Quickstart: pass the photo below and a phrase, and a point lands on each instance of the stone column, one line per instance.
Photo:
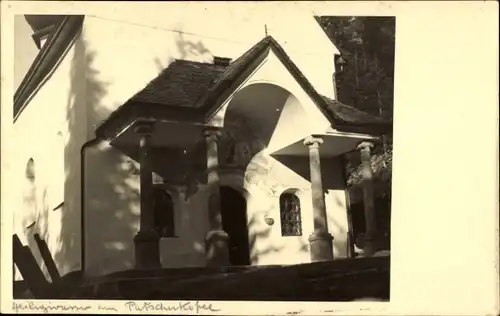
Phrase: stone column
(216, 240)
(370, 236)
(147, 252)
(321, 240)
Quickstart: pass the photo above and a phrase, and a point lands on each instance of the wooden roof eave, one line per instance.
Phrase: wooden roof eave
(134, 111)
(46, 60)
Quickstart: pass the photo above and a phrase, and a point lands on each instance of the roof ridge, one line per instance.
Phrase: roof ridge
(234, 70)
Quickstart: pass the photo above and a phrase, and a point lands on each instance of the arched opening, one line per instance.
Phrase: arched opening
(29, 194)
(267, 111)
(30, 170)
(234, 222)
(163, 207)
(290, 214)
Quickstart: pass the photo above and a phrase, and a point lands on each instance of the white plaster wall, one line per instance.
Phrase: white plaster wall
(292, 114)
(191, 225)
(49, 130)
(112, 215)
(112, 210)
(265, 188)
(262, 183)
(336, 207)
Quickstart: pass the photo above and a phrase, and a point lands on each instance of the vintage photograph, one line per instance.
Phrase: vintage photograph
(190, 156)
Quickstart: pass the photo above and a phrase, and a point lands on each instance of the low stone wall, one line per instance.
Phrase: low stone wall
(341, 280)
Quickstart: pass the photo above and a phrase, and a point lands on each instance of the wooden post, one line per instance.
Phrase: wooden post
(216, 240)
(147, 241)
(32, 274)
(47, 258)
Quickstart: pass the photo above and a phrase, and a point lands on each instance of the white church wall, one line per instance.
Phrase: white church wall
(266, 179)
(49, 131)
(112, 215)
(112, 210)
(191, 225)
(115, 57)
(266, 184)
(336, 207)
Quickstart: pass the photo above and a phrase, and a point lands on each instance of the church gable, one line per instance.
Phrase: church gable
(195, 91)
(274, 68)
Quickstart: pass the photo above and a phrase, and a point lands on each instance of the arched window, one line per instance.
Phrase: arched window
(164, 213)
(29, 194)
(291, 222)
(30, 170)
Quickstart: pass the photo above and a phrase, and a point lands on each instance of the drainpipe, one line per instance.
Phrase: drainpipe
(88, 144)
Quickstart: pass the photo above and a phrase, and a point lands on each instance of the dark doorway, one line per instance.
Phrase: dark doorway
(234, 222)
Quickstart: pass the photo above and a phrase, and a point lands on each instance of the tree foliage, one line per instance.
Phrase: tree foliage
(367, 46)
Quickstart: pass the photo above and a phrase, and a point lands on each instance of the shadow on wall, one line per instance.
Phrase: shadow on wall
(257, 233)
(186, 50)
(260, 243)
(300, 165)
(105, 223)
(35, 199)
(111, 200)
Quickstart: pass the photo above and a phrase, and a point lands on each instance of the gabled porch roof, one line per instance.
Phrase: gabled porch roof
(188, 91)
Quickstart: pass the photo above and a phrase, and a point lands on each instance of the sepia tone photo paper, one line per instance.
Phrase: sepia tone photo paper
(250, 158)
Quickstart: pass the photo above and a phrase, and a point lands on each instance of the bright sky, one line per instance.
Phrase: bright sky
(24, 48)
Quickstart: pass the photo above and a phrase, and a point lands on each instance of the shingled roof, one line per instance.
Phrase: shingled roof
(182, 83)
(196, 85)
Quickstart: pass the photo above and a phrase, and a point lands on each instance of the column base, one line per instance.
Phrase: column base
(147, 250)
(321, 246)
(370, 244)
(217, 248)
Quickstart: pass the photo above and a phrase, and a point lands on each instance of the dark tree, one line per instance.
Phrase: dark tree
(367, 45)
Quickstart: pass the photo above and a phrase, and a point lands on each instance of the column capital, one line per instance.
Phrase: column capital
(144, 128)
(365, 145)
(212, 131)
(313, 141)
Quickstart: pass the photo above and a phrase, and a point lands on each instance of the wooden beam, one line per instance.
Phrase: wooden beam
(47, 258)
(29, 269)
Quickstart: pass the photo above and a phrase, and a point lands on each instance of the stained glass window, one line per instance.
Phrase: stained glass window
(164, 213)
(291, 222)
